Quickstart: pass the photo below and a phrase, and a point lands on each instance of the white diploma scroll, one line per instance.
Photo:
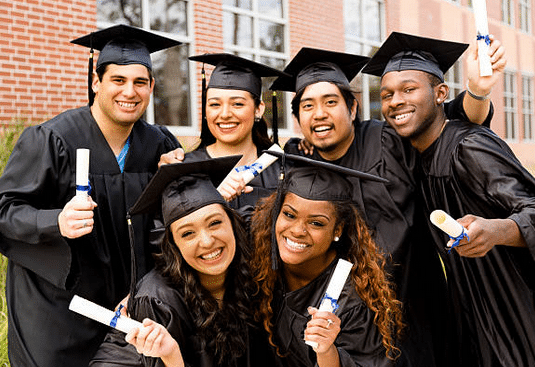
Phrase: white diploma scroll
(263, 162)
(98, 313)
(82, 170)
(336, 284)
(445, 222)
(482, 28)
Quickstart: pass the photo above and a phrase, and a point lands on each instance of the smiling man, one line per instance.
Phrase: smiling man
(327, 112)
(59, 245)
(469, 172)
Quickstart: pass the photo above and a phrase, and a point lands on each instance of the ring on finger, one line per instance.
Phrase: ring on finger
(85, 224)
(329, 323)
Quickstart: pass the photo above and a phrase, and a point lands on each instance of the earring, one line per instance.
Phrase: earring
(336, 238)
(256, 119)
(438, 100)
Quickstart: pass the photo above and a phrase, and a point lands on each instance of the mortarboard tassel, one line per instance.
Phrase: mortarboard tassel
(275, 119)
(90, 94)
(276, 209)
(203, 94)
(133, 262)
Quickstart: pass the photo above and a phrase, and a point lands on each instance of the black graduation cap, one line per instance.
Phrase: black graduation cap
(311, 65)
(122, 45)
(402, 51)
(182, 188)
(313, 180)
(235, 72)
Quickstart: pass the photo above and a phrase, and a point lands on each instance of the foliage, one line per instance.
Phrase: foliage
(8, 138)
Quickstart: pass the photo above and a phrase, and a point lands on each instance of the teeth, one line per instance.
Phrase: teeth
(402, 116)
(227, 126)
(296, 245)
(212, 255)
(126, 105)
(322, 128)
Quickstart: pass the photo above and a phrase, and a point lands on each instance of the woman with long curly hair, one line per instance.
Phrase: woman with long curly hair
(197, 305)
(299, 235)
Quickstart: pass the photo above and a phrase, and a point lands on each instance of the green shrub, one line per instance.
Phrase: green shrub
(8, 138)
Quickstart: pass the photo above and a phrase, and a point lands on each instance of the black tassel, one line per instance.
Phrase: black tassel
(90, 94)
(203, 94)
(275, 120)
(133, 262)
(275, 213)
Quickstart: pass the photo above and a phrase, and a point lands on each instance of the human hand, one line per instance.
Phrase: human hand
(233, 186)
(76, 218)
(153, 340)
(174, 156)
(322, 328)
(483, 235)
(482, 85)
(305, 147)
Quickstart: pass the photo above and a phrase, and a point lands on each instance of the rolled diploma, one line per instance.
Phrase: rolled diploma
(82, 169)
(445, 222)
(263, 162)
(101, 314)
(336, 284)
(482, 28)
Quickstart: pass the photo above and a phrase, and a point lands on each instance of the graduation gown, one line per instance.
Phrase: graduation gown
(45, 269)
(158, 300)
(470, 170)
(263, 185)
(359, 342)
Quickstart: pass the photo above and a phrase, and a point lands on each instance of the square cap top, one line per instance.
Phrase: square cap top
(182, 188)
(311, 65)
(235, 72)
(123, 45)
(402, 51)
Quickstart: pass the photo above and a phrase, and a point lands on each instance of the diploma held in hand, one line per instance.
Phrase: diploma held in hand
(483, 41)
(102, 315)
(336, 284)
(263, 162)
(445, 222)
(82, 172)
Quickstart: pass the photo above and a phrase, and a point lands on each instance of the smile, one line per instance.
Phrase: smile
(127, 104)
(227, 125)
(212, 255)
(296, 246)
(403, 116)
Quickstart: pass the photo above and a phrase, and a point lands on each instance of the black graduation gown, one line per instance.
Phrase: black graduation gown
(359, 342)
(45, 269)
(158, 300)
(263, 185)
(390, 211)
(470, 170)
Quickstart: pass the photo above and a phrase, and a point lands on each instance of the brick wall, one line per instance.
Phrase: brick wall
(41, 73)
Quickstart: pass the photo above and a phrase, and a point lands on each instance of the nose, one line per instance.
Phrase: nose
(226, 111)
(319, 112)
(206, 239)
(129, 89)
(396, 99)
(299, 229)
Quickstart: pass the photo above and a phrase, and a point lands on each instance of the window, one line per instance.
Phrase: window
(454, 80)
(527, 107)
(507, 12)
(256, 30)
(509, 99)
(524, 14)
(364, 30)
(170, 103)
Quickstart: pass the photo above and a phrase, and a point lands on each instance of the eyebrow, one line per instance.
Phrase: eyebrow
(310, 216)
(205, 219)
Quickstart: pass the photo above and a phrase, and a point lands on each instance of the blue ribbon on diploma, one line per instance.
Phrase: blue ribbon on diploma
(457, 240)
(334, 304)
(113, 322)
(84, 188)
(254, 168)
(485, 37)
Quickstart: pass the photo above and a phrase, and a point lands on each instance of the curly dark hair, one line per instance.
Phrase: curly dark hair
(219, 325)
(260, 131)
(355, 245)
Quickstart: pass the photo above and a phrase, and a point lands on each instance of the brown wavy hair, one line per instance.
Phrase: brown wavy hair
(355, 245)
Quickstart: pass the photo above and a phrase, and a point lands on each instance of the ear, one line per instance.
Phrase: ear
(442, 91)
(354, 109)
(152, 85)
(95, 83)
(259, 111)
(339, 230)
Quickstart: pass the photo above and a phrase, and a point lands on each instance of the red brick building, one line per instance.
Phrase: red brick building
(42, 74)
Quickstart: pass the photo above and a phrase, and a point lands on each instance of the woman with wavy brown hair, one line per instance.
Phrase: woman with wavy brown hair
(299, 235)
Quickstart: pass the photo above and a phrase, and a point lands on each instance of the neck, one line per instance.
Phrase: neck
(215, 284)
(115, 134)
(429, 135)
(337, 151)
(298, 276)
(246, 149)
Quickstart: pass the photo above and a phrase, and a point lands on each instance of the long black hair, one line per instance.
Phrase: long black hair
(220, 327)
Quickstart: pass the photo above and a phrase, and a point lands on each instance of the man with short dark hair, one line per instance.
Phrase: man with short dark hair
(60, 245)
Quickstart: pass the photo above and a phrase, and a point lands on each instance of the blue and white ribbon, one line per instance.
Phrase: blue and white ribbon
(457, 240)
(254, 168)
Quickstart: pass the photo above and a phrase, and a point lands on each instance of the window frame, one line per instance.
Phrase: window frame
(510, 109)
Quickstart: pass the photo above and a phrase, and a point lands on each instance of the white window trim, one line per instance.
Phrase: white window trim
(530, 113)
(513, 110)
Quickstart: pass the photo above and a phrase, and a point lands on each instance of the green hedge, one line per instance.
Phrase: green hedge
(8, 137)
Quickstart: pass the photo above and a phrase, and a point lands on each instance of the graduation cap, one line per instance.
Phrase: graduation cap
(403, 51)
(182, 188)
(122, 45)
(312, 65)
(313, 180)
(234, 72)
